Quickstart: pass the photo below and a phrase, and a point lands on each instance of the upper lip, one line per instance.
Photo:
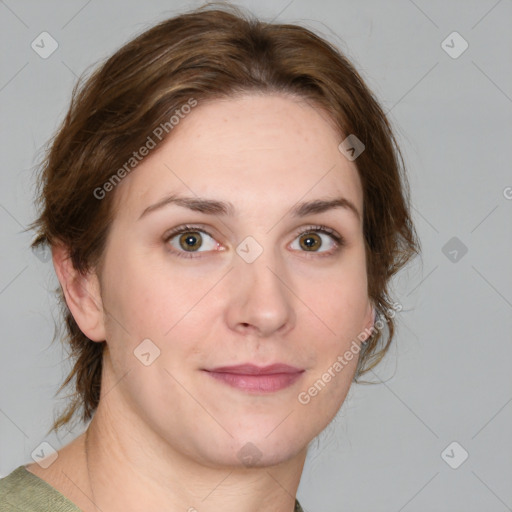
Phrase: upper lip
(251, 369)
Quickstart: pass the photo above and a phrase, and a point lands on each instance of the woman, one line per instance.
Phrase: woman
(225, 205)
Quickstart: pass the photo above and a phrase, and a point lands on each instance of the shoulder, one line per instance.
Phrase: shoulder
(11, 490)
(22, 491)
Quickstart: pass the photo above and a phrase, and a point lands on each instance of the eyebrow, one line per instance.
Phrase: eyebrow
(214, 207)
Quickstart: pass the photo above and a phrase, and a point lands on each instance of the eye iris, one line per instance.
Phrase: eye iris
(190, 240)
(310, 241)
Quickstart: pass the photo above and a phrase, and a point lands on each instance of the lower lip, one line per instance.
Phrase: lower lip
(257, 383)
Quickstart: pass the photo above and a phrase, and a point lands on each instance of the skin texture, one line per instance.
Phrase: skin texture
(168, 435)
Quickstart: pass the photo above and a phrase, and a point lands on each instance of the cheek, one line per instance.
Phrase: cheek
(166, 310)
(340, 304)
(140, 301)
(339, 301)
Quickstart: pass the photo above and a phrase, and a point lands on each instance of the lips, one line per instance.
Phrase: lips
(251, 369)
(257, 379)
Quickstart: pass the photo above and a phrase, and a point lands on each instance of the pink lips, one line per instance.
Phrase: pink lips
(257, 379)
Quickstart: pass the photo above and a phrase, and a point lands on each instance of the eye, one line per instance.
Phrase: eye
(189, 239)
(318, 239)
(185, 241)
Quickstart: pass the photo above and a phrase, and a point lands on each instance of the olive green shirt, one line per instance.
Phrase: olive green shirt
(22, 491)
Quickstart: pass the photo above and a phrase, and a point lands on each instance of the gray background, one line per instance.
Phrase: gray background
(448, 375)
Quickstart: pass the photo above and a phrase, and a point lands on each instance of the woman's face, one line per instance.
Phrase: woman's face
(245, 269)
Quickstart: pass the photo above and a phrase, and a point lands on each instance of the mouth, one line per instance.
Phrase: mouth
(257, 379)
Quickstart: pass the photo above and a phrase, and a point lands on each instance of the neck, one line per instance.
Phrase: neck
(131, 467)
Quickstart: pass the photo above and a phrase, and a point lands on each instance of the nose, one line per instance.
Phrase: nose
(261, 302)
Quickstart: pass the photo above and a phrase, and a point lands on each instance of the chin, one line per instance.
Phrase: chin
(268, 449)
(251, 451)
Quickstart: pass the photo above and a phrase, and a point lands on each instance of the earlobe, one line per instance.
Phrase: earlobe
(82, 294)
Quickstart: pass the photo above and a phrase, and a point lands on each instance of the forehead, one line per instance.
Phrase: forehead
(251, 150)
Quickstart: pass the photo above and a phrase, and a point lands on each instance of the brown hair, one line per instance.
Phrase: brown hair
(209, 53)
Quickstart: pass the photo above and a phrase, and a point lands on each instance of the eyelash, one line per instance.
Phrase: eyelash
(338, 239)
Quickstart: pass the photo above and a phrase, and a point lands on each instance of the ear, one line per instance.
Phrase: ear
(371, 316)
(82, 294)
